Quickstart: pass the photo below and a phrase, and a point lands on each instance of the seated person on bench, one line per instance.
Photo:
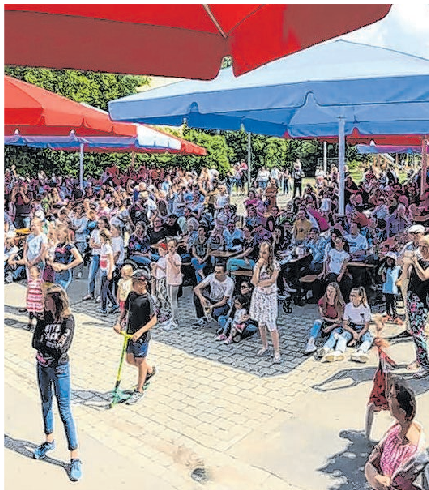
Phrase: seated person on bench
(216, 303)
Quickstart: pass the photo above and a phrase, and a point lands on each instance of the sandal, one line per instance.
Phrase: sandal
(277, 358)
(262, 352)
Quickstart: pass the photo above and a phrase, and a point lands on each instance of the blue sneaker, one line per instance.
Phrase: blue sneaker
(75, 470)
(40, 451)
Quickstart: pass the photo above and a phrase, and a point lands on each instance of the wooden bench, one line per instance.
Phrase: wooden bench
(309, 279)
(242, 273)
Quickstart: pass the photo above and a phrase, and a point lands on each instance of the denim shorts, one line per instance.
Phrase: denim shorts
(137, 349)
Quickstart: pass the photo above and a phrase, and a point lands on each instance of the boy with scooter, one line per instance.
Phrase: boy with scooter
(141, 317)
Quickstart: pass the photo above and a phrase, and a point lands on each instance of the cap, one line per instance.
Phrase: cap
(10, 234)
(141, 275)
(391, 255)
(416, 229)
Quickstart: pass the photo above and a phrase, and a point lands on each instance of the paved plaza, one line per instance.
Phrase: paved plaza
(215, 411)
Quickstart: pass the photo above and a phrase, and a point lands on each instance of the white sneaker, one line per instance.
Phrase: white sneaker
(359, 356)
(98, 300)
(311, 347)
(334, 356)
(173, 324)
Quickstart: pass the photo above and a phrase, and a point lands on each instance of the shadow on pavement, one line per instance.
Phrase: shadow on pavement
(348, 378)
(347, 466)
(92, 399)
(26, 448)
(356, 376)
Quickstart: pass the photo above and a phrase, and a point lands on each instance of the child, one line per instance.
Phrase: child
(159, 288)
(124, 286)
(141, 318)
(381, 385)
(357, 316)
(174, 279)
(35, 302)
(389, 277)
(236, 324)
(106, 269)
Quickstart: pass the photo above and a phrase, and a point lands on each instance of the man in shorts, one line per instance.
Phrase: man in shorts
(141, 318)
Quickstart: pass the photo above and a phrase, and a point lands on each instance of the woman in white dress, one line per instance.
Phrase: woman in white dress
(263, 306)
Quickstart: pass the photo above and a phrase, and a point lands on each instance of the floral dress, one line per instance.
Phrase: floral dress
(418, 311)
(263, 306)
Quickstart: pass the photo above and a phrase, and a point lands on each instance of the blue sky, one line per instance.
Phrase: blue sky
(405, 28)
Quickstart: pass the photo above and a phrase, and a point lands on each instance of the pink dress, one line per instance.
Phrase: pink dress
(395, 453)
(35, 296)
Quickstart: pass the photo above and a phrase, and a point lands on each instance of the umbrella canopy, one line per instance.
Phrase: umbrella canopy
(187, 41)
(145, 143)
(374, 90)
(376, 149)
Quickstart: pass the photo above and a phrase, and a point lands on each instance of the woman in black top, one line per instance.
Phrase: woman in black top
(52, 339)
(418, 303)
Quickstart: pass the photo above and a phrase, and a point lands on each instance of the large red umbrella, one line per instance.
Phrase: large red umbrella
(186, 41)
(35, 111)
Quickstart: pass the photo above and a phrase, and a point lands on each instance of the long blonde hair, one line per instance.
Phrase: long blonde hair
(270, 260)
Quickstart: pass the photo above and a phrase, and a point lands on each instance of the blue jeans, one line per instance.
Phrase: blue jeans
(22, 222)
(315, 329)
(198, 267)
(365, 342)
(63, 278)
(138, 259)
(59, 378)
(81, 246)
(335, 335)
(94, 267)
(106, 291)
(235, 264)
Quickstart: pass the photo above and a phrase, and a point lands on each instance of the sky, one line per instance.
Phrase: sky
(405, 28)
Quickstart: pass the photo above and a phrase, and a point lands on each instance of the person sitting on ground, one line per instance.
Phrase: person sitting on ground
(357, 316)
(217, 301)
(235, 322)
(331, 310)
(400, 460)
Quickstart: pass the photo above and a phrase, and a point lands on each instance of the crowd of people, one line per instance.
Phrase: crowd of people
(183, 228)
(148, 233)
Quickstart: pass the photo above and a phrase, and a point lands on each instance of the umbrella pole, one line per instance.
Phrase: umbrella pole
(341, 155)
(249, 156)
(324, 157)
(424, 167)
(81, 166)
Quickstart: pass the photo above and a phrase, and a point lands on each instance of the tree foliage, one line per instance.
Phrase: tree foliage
(224, 148)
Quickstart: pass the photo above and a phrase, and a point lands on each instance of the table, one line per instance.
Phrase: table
(222, 254)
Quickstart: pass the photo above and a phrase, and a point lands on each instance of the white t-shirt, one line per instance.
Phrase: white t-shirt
(218, 289)
(357, 314)
(95, 235)
(34, 245)
(337, 259)
(174, 278)
(118, 246)
(105, 251)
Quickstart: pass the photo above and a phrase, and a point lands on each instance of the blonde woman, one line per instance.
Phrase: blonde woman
(263, 306)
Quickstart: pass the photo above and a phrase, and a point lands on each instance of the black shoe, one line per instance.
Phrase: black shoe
(22, 310)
